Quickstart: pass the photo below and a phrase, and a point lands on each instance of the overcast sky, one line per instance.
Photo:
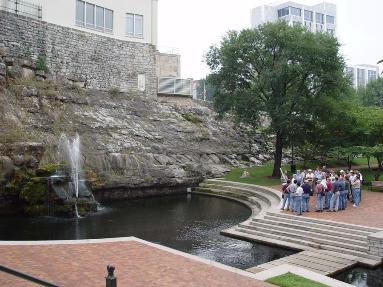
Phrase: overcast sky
(192, 26)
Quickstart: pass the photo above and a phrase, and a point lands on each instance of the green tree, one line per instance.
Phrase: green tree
(372, 94)
(286, 74)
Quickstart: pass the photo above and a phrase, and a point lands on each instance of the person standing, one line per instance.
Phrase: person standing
(285, 195)
(334, 202)
(355, 187)
(342, 193)
(328, 192)
(292, 188)
(307, 188)
(320, 194)
(298, 199)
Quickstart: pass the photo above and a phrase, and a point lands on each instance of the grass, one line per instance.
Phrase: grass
(258, 175)
(192, 118)
(292, 280)
(262, 175)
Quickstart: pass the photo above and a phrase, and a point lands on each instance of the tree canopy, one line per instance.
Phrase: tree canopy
(290, 75)
(372, 94)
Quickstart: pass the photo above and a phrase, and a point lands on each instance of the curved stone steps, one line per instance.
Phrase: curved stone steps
(276, 194)
(261, 196)
(309, 236)
(358, 228)
(263, 236)
(297, 225)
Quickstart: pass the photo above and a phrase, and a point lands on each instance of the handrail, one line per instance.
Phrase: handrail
(26, 276)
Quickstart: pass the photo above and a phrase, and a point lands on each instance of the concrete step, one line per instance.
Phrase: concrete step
(359, 256)
(265, 194)
(338, 237)
(258, 202)
(295, 220)
(261, 195)
(306, 236)
(301, 244)
(303, 226)
(272, 191)
(237, 233)
(365, 229)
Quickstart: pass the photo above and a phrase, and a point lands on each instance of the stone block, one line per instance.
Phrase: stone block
(3, 70)
(4, 51)
(8, 61)
(27, 73)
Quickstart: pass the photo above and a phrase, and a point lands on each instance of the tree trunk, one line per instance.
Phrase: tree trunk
(278, 155)
(349, 162)
(368, 163)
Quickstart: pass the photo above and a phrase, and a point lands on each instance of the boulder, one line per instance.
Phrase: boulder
(3, 69)
(7, 168)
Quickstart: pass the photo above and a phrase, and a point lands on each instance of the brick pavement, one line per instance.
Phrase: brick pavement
(369, 213)
(138, 263)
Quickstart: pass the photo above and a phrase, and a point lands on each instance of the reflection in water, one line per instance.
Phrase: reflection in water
(362, 277)
(190, 223)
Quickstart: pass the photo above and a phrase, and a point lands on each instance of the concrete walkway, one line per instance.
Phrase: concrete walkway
(138, 263)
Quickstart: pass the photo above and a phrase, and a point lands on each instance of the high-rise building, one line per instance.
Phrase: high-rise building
(361, 75)
(316, 18)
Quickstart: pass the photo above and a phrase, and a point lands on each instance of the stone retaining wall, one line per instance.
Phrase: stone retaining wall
(97, 61)
(375, 244)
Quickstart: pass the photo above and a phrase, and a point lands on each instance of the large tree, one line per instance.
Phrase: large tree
(285, 73)
(372, 94)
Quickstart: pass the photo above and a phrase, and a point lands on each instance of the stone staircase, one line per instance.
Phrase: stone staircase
(270, 226)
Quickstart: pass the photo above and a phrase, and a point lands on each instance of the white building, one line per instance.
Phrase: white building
(130, 20)
(361, 75)
(317, 18)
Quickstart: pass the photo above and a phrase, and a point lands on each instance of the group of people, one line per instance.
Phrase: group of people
(332, 190)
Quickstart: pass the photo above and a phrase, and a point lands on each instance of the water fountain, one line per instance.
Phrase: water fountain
(68, 182)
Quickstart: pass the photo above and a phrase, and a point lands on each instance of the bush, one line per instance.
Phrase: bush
(114, 91)
(192, 118)
(41, 64)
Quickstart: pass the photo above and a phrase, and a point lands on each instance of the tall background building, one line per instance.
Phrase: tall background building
(361, 75)
(321, 17)
(317, 18)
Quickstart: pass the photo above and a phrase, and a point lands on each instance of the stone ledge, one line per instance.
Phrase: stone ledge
(376, 236)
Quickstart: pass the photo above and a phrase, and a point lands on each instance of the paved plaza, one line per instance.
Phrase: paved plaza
(138, 264)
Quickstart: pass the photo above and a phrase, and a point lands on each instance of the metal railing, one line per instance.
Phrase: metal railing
(174, 86)
(22, 8)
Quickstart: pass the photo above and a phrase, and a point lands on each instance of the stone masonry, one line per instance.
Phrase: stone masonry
(375, 244)
(97, 61)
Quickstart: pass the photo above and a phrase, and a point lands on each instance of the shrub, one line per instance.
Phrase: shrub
(114, 91)
(41, 64)
(192, 118)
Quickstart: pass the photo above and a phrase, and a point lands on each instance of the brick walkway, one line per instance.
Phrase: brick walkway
(138, 263)
(369, 213)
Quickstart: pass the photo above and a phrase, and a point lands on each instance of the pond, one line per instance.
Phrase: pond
(362, 277)
(189, 223)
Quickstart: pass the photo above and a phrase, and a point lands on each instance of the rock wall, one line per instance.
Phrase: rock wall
(95, 61)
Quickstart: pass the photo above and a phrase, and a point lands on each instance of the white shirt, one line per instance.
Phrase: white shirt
(299, 191)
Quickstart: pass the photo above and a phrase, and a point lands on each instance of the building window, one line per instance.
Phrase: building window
(89, 15)
(319, 18)
(330, 19)
(94, 17)
(331, 32)
(308, 25)
(309, 15)
(108, 21)
(371, 75)
(283, 12)
(319, 28)
(80, 13)
(100, 20)
(134, 25)
(361, 77)
(296, 11)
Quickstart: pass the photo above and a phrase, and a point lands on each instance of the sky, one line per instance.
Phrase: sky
(192, 27)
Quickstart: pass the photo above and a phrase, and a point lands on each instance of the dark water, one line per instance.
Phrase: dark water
(362, 277)
(189, 223)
